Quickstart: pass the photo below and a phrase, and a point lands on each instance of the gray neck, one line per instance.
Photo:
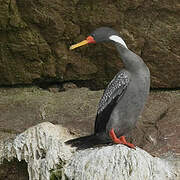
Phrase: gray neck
(131, 61)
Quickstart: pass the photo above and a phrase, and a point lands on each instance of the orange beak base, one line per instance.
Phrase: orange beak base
(90, 39)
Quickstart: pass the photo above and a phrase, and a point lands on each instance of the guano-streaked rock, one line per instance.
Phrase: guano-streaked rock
(43, 149)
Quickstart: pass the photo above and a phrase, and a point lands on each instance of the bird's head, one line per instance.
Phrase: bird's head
(102, 34)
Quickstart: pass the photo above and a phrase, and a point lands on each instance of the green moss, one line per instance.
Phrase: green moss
(58, 174)
(38, 36)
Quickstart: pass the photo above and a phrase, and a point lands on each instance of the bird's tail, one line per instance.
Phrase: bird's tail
(87, 141)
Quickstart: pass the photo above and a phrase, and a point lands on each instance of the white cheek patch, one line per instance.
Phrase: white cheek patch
(118, 40)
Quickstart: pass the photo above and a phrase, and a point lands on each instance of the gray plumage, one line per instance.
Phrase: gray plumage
(124, 98)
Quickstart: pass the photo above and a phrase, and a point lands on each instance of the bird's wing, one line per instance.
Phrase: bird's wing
(114, 89)
(111, 95)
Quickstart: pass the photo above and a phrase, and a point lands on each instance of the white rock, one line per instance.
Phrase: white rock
(117, 162)
(43, 148)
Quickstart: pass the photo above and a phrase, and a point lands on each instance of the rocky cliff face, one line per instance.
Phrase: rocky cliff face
(35, 37)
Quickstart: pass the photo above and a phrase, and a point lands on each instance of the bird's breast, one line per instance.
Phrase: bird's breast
(130, 106)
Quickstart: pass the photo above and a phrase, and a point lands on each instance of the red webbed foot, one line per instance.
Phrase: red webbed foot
(120, 140)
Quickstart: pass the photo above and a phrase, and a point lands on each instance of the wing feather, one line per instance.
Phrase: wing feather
(114, 88)
(111, 96)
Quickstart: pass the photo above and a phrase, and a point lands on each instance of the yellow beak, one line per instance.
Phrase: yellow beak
(82, 43)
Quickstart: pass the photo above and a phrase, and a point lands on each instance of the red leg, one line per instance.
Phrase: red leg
(121, 140)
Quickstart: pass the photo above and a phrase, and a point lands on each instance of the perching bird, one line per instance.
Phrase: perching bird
(124, 98)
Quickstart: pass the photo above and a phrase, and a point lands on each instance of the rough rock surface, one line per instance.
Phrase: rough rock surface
(117, 162)
(157, 130)
(43, 149)
(35, 36)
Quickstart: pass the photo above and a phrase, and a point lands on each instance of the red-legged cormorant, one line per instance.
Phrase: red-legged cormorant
(124, 98)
